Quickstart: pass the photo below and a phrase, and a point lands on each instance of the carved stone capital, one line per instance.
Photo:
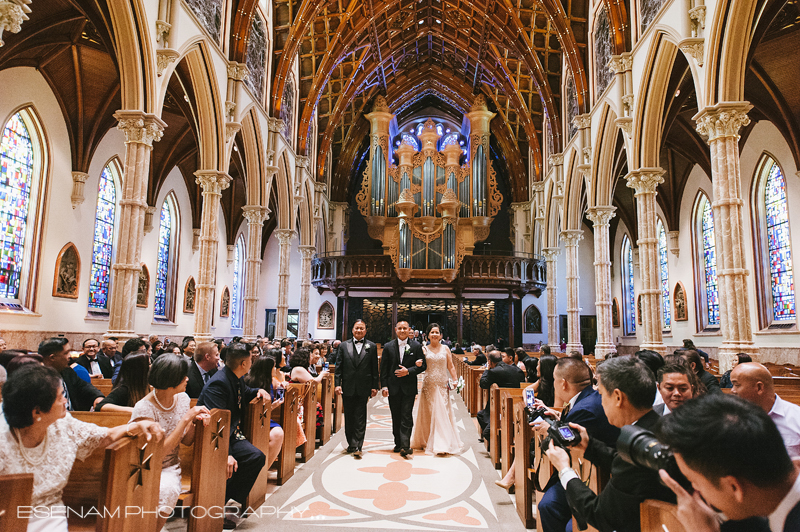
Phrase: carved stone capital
(148, 218)
(237, 71)
(320, 187)
(550, 254)
(284, 236)
(627, 101)
(601, 215)
(307, 252)
(582, 121)
(380, 105)
(230, 110)
(557, 159)
(139, 127)
(538, 186)
(674, 247)
(693, 47)
(585, 170)
(162, 31)
(231, 129)
(722, 120)
(255, 214)
(271, 171)
(698, 14)
(164, 58)
(571, 237)
(645, 180)
(195, 240)
(12, 15)
(625, 124)
(231, 254)
(276, 125)
(301, 161)
(627, 60)
(212, 181)
(616, 64)
(78, 183)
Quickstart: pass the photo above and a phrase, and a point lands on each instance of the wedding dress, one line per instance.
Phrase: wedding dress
(434, 423)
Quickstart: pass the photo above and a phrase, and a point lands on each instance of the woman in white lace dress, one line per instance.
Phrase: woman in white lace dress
(435, 429)
(168, 405)
(38, 436)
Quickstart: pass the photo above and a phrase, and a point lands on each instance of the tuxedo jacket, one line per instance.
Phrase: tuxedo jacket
(195, 385)
(82, 395)
(504, 375)
(106, 368)
(617, 506)
(392, 358)
(227, 392)
(357, 374)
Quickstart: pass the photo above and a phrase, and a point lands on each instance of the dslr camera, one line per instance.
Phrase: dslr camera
(640, 447)
(559, 433)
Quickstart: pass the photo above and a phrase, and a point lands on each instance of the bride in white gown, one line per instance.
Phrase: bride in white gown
(435, 429)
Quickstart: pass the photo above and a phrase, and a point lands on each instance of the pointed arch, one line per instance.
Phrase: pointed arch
(166, 266)
(135, 55)
(603, 178)
(239, 265)
(532, 319)
(628, 290)
(104, 234)
(706, 287)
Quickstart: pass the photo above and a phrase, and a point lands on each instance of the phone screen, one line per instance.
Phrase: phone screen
(529, 398)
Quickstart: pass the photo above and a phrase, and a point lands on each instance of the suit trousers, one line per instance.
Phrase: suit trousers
(249, 461)
(402, 407)
(354, 408)
(554, 509)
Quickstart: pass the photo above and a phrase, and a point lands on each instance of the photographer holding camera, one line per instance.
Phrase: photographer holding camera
(735, 458)
(627, 388)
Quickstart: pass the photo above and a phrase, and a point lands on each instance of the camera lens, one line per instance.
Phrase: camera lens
(640, 447)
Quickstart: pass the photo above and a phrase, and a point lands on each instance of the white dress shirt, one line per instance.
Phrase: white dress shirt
(777, 518)
(787, 418)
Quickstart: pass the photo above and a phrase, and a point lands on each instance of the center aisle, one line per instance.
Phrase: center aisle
(334, 491)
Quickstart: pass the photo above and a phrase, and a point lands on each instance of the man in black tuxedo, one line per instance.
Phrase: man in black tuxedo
(227, 390)
(628, 389)
(80, 395)
(505, 374)
(399, 372)
(96, 363)
(734, 455)
(202, 368)
(357, 380)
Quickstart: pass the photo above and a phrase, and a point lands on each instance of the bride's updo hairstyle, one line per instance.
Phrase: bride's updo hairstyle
(431, 327)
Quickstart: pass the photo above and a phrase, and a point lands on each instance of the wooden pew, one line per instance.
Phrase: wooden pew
(18, 492)
(326, 399)
(286, 416)
(509, 397)
(104, 490)
(475, 392)
(657, 516)
(307, 399)
(105, 389)
(204, 466)
(523, 469)
(255, 426)
(337, 405)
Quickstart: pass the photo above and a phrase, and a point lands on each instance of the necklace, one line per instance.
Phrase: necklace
(34, 461)
(162, 407)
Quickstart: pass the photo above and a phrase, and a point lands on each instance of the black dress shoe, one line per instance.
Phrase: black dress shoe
(406, 452)
(397, 449)
(357, 455)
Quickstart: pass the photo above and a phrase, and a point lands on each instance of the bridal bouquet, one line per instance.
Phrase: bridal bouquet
(457, 386)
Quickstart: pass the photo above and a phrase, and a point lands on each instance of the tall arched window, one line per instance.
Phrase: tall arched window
(238, 278)
(776, 259)
(663, 269)
(167, 235)
(708, 262)
(21, 166)
(104, 218)
(628, 294)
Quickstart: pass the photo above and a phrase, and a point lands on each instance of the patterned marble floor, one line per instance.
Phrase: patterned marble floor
(386, 492)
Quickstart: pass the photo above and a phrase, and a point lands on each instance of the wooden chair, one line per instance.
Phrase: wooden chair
(255, 426)
(658, 516)
(204, 466)
(116, 488)
(286, 416)
(18, 491)
(307, 398)
(325, 394)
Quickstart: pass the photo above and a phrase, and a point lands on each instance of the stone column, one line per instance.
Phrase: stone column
(141, 130)
(645, 181)
(571, 239)
(284, 241)
(600, 217)
(212, 183)
(255, 215)
(721, 124)
(306, 254)
(551, 258)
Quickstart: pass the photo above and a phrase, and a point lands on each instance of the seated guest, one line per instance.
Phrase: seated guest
(80, 395)
(109, 349)
(228, 391)
(505, 374)
(734, 456)
(20, 360)
(480, 358)
(457, 350)
(740, 358)
(134, 345)
(753, 382)
(654, 362)
(168, 406)
(676, 385)
(96, 363)
(334, 352)
(202, 368)
(689, 345)
(131, 385)
(300, 363)
(543, 387)
(707, 379)
(531, 364)
(158, 348)
(188, 346)
(628, 388)
(39, 437)
(260, 376)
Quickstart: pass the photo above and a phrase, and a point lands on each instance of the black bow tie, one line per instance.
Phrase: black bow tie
(358, 341)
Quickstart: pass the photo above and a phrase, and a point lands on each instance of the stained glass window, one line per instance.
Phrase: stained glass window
(709, 262)
(162, 267)
(236, 295)
(780, 250)
(664, 271)
(602, 52)
(103, 241)
(628, 294)
(16, 170)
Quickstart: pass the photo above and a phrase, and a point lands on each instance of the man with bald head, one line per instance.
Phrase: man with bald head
(753, 382)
